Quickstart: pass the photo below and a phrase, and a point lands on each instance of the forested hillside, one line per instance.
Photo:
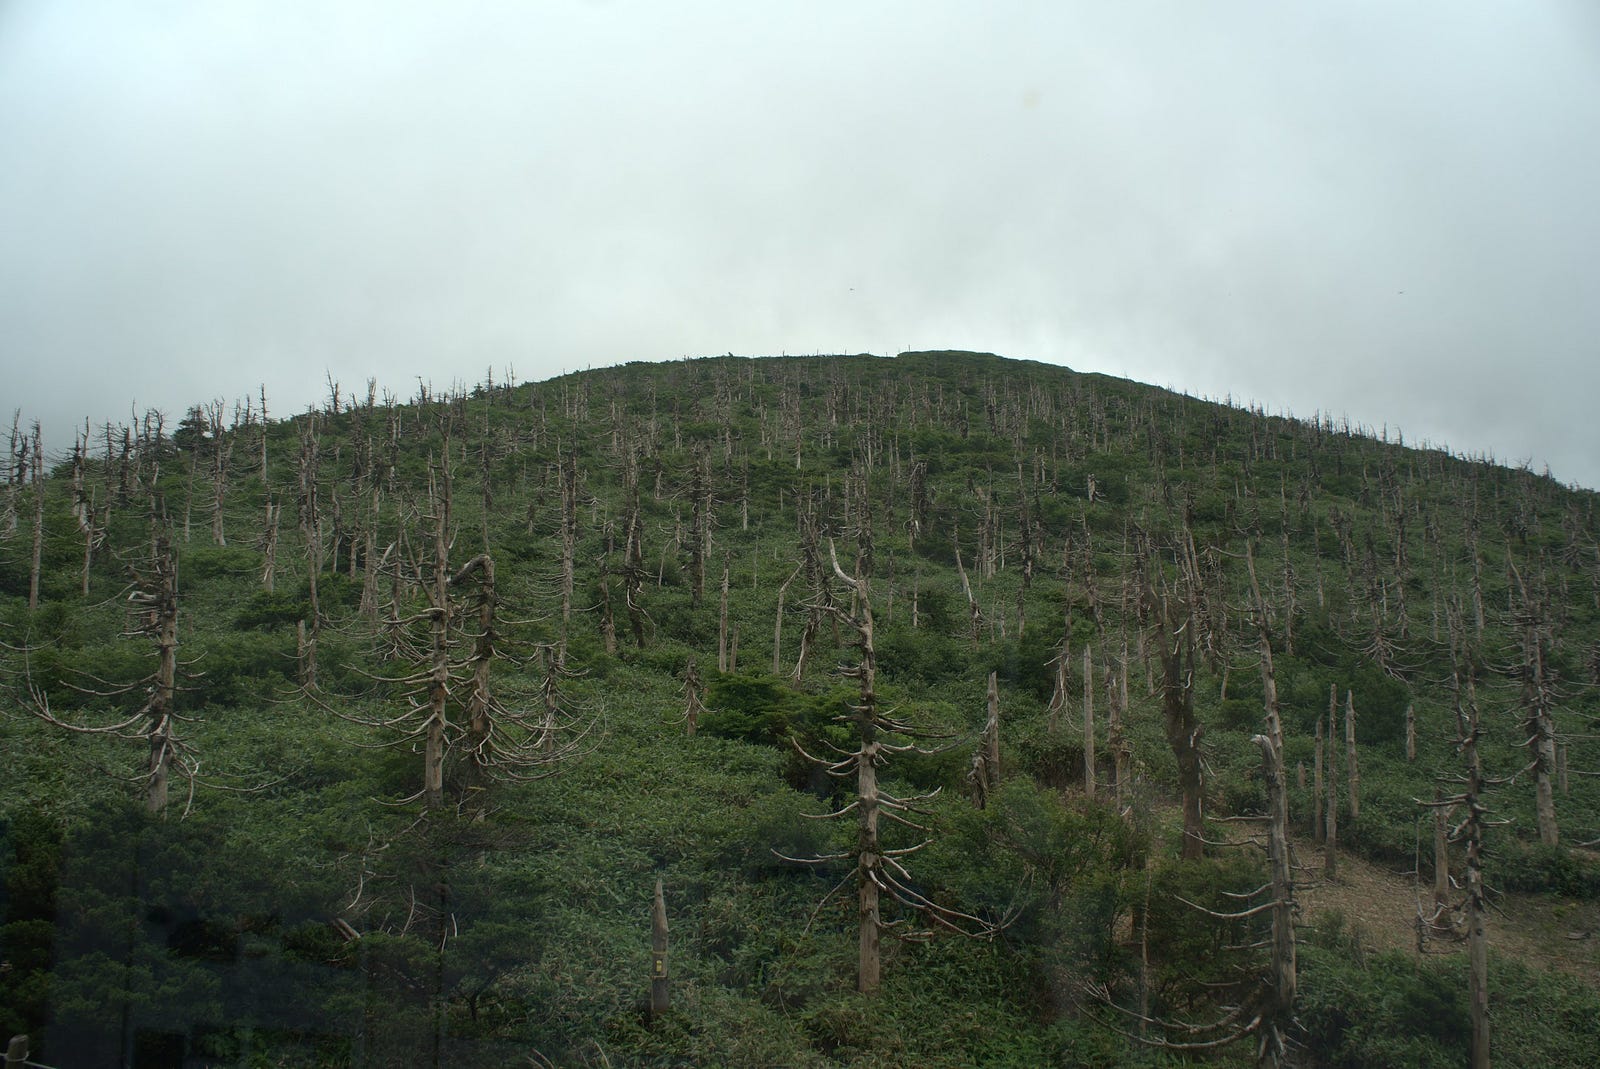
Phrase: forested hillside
(963, 710)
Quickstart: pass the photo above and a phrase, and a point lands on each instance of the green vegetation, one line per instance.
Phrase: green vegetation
(300, 895)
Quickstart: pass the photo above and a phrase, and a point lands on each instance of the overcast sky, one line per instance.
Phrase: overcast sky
(1386, 211)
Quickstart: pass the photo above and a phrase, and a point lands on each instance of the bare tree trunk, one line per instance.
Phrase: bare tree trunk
(1318, 824)
(569, 534)
(1278, 1011)
(1088, 723)
(722, 620)
(1539, 727)
(1330, 841)
(660, 994)
(984, 776)
(1058, 694)
(1477, 937)
(269, 551)
(693, 697)
(777, 623)
(1176, 647)
(436, 726)
(479, 704)
(1411, 731)
(974, 613)
(1441, 852)
(1352, 762)
(37, 462)
(163, 746)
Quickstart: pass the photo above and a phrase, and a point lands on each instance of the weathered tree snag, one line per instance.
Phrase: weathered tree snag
(1277, 1010)
(983, 778)
(310, 519)
(479, 705)
(722, 620)
(777, 623)
(1278, 1005)
(974, 613)
(608, 620)
(1175, 646)
(1088, 723)
(36, 468)
(1058, 693)
(1472, 829)
(633, 567)
(693, 697)
(160, 594)
(1538, 719)
(1352, 761)
(1441, 852)
(879, 871)
(1318, 823)
(1116, 735)
(660, 993)
(569, 532)
(436, 723)
(221, 452)
(269, 550)
(1330, 840)
(154, 605)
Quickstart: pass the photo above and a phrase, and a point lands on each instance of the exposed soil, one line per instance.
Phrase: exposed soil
(1543, 931)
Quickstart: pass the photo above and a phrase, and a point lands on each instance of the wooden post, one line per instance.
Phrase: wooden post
(17, 1052)
(660, 995)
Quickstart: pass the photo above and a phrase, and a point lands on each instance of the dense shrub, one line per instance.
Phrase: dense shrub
(1548, 869)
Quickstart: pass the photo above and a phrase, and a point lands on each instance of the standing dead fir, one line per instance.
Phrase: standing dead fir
(879, 870)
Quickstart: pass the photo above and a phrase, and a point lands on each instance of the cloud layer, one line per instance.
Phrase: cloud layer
(1364, 208)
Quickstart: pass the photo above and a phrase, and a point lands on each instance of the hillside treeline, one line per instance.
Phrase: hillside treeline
(966, 711)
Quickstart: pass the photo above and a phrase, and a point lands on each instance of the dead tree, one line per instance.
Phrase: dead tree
(777, 623)
(1330, 824)
(1174, 641)
(153, 607)
(983, 778)
(722, 620)
(1317, 827)
(310, 521)
(974, 613)
(820, 601)
(451, 705)
(693, 698)
(1088, 723)
(1538, 709)
(1352, 777)
(879, 870)
(660, 992)
(1058, 693)
(1470, 831)
(221, 452)
(1278, 1002)
(36, 480)
(1265, 1006)
(569, 532)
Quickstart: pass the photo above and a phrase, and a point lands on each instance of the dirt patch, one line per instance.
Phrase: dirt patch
(1543, 931)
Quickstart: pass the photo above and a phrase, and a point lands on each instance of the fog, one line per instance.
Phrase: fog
(1379, 211)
